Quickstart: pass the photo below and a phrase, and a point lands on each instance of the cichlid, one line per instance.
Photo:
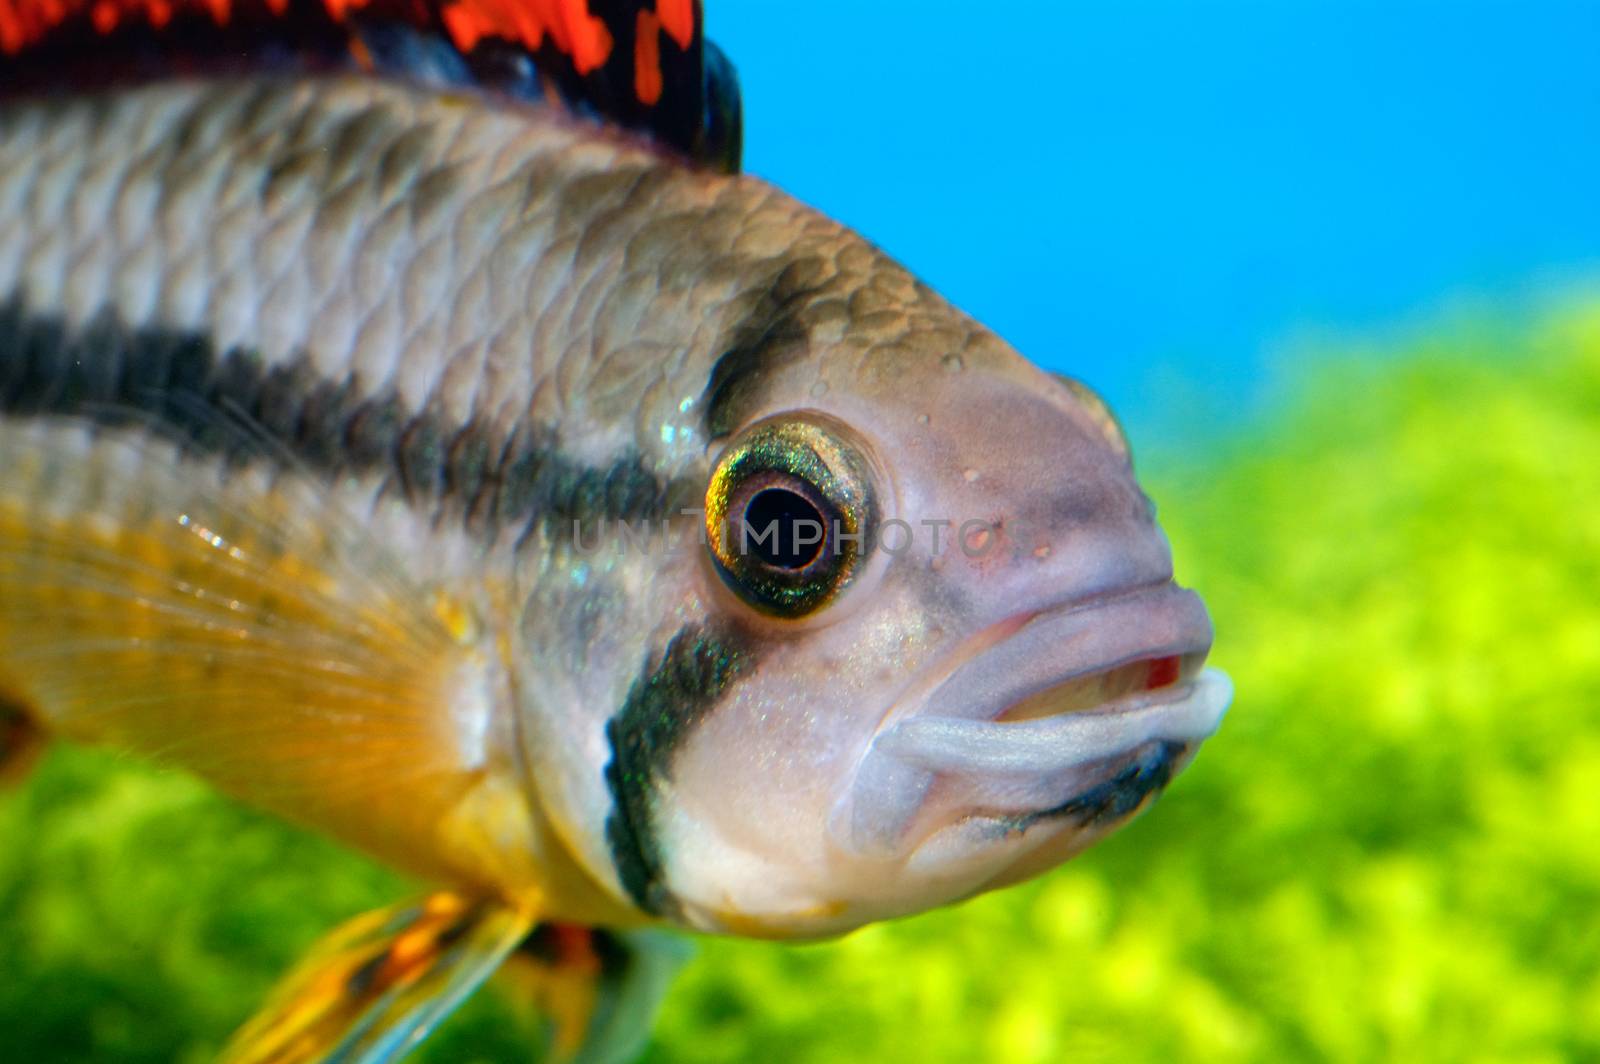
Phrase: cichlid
(412, 423)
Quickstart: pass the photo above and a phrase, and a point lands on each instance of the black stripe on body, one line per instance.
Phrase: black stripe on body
(227, 404)
(773, 334)
(664, 704)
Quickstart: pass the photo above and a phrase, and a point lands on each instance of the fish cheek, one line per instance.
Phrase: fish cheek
(663, 706)
(790, 735)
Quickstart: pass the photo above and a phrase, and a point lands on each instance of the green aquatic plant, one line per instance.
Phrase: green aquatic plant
(1391, 851)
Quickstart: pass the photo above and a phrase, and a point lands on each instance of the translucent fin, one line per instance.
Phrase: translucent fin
(241, 625)
(599, 990)
(636, 982)
(377, 986)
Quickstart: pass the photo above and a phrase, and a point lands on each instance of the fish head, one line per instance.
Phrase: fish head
(938, 643)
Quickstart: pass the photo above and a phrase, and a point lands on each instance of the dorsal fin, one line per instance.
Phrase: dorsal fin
(641, 64)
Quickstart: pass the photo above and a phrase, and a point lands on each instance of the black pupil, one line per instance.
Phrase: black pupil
(783, 529)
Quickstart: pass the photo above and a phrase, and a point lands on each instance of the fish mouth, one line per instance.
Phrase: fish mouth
(1075, 714)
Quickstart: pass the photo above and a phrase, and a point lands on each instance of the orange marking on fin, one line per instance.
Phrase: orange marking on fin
(560, 978)
(20, 24)
(571, 28)
(408, 954)
(361, 53)
(677, 18)
(575, 943)
(25, 22)
(444, 904)
(465, 25)
(372, 981)
(647, 81)
(588, 40)
(569, 24)
(524, 24)
(11, 36)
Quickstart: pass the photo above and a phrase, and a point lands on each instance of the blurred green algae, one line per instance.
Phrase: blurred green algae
(1390, 852)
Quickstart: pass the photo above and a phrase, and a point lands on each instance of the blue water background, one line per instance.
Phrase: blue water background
(1171, 199)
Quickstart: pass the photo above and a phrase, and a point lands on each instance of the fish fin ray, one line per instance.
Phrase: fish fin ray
(377, 985)
(236, 624)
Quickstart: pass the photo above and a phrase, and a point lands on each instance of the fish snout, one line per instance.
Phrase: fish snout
(1034, 718)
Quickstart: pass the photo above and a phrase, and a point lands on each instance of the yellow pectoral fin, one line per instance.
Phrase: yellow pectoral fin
(240, 624)
(376, 986)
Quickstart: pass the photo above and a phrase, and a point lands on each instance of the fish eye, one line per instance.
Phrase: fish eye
(789, 512)
(797, 526)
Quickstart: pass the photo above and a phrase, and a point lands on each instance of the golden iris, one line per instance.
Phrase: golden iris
(789, 513)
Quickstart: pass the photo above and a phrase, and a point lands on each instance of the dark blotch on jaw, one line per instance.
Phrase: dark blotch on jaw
(1120, 796)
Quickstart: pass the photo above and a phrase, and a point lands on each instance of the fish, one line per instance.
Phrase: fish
(414, 423)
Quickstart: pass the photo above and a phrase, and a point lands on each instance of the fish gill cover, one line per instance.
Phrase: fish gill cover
(1391, 856)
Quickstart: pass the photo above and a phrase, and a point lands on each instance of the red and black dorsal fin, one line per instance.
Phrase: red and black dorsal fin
(642, 64)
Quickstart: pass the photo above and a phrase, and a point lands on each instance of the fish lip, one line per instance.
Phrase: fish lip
(1184, 712)
(1049, 648)
(952, 730)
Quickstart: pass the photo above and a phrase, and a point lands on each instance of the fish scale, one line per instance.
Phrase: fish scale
(385, 414)
(182, 139)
